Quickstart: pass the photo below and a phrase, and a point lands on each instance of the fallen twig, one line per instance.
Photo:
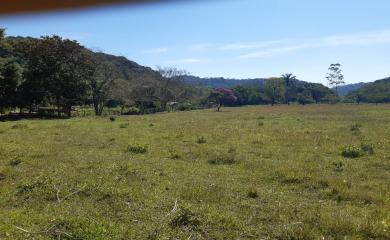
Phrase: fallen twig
(161, 224)
(66, 196)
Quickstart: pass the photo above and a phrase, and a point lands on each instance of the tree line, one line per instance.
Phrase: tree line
(51, 75)
(56, 74)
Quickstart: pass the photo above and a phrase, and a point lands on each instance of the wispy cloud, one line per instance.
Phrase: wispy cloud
(156, 51)
(252, 45)
(358, 39)
(355, 39)
(233, 46)
(201, 46)
(187, 61)
(273, 51)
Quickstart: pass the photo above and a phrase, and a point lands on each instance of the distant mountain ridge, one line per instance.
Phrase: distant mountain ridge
(346, 89)
(219, 82)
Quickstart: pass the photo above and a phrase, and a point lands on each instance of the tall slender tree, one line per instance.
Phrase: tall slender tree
(99, 81)
(335, 76)
(289, 85)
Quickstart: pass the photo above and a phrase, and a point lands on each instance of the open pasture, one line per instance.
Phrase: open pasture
(258, 172)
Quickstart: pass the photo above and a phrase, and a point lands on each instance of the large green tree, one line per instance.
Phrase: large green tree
(57, 71)
(274, 90)
(10, 74)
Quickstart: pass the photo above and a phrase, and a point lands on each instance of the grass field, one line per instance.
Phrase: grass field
(256, 172)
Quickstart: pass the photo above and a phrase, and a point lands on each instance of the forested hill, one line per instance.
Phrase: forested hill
(120, 66)
(222, 82)
(346, 89)
(125, 68)
(375, 92)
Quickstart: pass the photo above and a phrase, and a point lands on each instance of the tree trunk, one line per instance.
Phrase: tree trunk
(58, 109)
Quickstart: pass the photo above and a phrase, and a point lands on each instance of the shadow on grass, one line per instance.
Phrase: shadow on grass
(25, 116)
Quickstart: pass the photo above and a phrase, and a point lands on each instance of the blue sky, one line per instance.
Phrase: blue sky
(233, 38)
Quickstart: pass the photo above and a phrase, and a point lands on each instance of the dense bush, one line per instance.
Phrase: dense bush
(351, 151)
(354, 151)
(185, 107)
(133, 111)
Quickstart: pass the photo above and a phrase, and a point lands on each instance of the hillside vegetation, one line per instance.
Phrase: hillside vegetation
(282, 172)
(375, 92)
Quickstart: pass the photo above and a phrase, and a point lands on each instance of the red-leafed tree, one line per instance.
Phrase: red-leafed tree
(222, 97)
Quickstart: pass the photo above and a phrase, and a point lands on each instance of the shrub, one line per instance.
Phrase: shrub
(185, 107)
(15, 162)
(2, 176)
(355, 127)
(351, 151)
(133, 111)
(19, 126)
(367, 148)
(137, 149)
(338, 166)
(124, 125)
(260, 124)
(221, 158)
(201, 140)
(252, 193)
(173, 154)
(354, 151)
(112, 119)
(185, 218)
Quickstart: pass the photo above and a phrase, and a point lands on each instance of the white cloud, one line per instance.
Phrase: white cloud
(156, 51)
(187, 60)
(355, 39)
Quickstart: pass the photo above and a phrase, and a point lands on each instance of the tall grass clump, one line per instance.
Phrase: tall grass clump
(223, 158)
(355, 127)
(124, 125)
(201, 140)
(137, 149)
